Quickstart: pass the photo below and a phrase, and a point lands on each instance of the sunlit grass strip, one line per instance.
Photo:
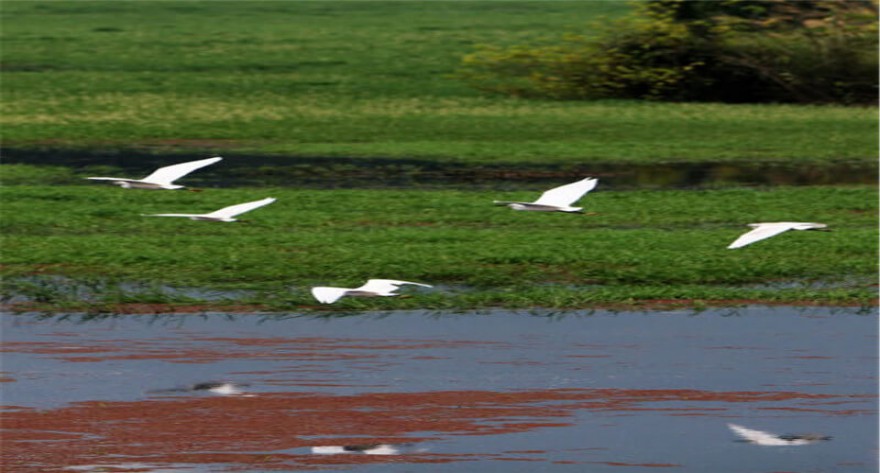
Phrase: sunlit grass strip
(635, 246)
(445, 129)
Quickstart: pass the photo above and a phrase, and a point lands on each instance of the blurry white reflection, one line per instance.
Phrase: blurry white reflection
(227, 389)
(768, 439)
(214, 387)
(367, 449)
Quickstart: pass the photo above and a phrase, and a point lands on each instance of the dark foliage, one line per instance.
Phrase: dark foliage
(728, 51)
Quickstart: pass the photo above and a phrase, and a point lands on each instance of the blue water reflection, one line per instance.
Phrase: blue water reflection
(670, 381)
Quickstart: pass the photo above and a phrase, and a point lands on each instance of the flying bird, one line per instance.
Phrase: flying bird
(558, 199)
(768, 439)
(225, 214)
(373, 288)
(762, 231)
(161, 178)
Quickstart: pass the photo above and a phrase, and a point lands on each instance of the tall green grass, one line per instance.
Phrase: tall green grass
(343, 78)
(637, 245)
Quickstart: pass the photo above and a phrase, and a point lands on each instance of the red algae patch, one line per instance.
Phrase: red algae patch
(495, 391)
(221, 348)
(262, 430)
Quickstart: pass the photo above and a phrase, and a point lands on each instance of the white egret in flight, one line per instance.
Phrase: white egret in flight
(225, 214)
(766, 230)
(558, 199)
(373, 288)
(161, 178)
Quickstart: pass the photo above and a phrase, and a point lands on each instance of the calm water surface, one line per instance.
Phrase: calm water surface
(498, 391)
(361, 172)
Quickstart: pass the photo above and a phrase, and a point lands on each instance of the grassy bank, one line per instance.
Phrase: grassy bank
(74, 245)
(285, 90)
(360, 79)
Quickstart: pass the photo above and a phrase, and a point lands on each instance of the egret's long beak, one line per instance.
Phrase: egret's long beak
(190, 189)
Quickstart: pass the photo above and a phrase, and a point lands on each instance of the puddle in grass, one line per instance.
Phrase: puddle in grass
(342, 172)
(409, 391)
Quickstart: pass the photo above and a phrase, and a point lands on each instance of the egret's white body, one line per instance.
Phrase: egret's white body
(768, 439)
(372, 449)
(762, 231)
(373, 288)
(161, 178)
(225, 214)
(558, 199)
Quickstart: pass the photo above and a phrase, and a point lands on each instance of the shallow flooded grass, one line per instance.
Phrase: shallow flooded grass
(31, 167)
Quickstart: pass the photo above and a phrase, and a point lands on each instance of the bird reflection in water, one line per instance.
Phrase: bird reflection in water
(768, 439)
(368, 449)
(214, 387)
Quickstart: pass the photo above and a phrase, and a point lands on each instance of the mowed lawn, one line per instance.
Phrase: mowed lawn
(371, 79)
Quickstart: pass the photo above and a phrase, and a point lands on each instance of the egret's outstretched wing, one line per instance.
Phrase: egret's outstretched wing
(385, 285)
(761, 231)
(568, 194)
(328, 295)
(169, 174)
(808, 226)
(757, 436)
(173, 215)
(233, 210)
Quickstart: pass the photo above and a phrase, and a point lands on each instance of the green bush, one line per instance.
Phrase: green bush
(729, 51)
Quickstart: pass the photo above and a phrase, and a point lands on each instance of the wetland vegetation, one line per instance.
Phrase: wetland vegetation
(89, 245)
(299, 95)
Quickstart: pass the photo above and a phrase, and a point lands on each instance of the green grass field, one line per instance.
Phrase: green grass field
(370, 79)
(637, 246)
(374, 81)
